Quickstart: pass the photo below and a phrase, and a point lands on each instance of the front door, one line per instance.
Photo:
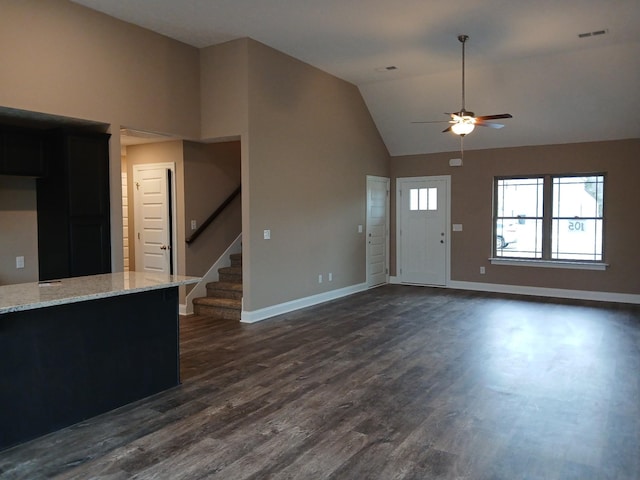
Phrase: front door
(152, 189)
(423, 242)
(377, 230)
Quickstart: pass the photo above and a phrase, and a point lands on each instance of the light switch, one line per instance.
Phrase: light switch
(457, 227)
(359, 228)
(267, 234)
(20, 262)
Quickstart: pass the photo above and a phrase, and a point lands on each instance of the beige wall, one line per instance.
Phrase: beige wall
(63, 59)
(211, 174)
(18, 229)
(471, 201)
(310, 145)
(224, 90)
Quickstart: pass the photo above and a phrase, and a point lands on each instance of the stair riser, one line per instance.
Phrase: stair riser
(230, 277)
(217, 293)
(218, 312)
(236, 260)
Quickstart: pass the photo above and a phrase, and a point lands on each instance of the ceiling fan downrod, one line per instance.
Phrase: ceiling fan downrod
(463, 39)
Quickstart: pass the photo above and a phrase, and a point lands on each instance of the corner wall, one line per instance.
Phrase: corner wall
(310, 145)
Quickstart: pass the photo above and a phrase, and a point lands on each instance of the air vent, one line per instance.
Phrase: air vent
(131, 132)
(593, 34)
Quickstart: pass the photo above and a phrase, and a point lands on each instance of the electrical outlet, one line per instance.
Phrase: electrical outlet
(20, 262)
(320, 278)
(330, 277)
(267, 234)
(482, 271)
(193, 225)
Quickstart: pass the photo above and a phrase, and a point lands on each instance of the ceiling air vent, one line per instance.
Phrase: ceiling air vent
(593, 34)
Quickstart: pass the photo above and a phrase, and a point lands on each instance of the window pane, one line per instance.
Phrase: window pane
(433, 199)
(422, 205)
(520, 197)
(519, 238)
(413, 199)
(576, 239)
(575, 197)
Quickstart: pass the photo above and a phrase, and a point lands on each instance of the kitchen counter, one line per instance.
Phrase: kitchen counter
(27, 296)
(79, 347)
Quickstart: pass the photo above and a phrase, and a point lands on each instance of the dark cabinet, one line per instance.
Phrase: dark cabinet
(73, 207)
(22, 153)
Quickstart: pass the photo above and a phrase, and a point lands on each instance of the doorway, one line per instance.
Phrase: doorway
(377, 230)
(423, 207)
(154, 206)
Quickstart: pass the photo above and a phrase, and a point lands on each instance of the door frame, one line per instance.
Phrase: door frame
(399, 183)
(171, 190)
(387, 180)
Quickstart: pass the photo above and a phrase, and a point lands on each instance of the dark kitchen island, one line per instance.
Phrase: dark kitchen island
(78, 347)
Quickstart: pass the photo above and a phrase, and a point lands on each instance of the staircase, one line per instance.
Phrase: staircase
(224, 297)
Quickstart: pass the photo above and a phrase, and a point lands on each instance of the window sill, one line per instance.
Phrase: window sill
(525, 262)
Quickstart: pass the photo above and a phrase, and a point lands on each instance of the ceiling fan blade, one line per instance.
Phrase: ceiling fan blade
(433, 121)
(488, 124)
(448, 129)
(494, 117)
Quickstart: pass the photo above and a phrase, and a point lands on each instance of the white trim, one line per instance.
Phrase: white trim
(140, 167)
(182, 309)
(200, 290)
(272, 311)
(547, 292)
(387, 182)
(525, 262)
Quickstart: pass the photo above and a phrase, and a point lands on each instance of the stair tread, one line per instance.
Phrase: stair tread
(237, 270)
(235, 286)
(219, 302)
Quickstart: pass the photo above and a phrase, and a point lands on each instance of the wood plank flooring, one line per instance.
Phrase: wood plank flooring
(394, 383)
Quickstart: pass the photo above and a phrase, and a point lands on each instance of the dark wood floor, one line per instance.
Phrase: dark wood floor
(394, 383)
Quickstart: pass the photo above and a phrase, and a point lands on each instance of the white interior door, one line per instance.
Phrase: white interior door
(377, 230)
(153, 220)
(423, 242)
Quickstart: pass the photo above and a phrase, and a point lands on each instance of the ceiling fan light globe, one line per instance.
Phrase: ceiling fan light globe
(462, 128)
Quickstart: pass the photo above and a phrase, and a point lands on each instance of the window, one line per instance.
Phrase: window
(549, 217)
(423, 199)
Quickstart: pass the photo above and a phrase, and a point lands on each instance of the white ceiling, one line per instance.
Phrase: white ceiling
(524, 57)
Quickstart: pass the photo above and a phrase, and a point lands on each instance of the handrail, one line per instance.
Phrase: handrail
(213, 216)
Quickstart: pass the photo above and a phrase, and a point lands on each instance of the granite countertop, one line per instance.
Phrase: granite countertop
(28, 296)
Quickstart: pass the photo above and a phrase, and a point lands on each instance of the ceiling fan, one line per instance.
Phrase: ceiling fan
(464, 121)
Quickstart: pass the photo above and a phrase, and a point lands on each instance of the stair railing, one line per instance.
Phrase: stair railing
(213, 216)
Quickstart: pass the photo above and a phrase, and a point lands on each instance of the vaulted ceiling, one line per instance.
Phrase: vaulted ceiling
(523, 57)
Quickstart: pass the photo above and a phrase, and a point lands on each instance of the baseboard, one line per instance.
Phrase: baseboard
(268, 312)
(182, 309)
(547, 292)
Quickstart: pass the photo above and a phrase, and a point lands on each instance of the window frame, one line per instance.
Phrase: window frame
(545, 258)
